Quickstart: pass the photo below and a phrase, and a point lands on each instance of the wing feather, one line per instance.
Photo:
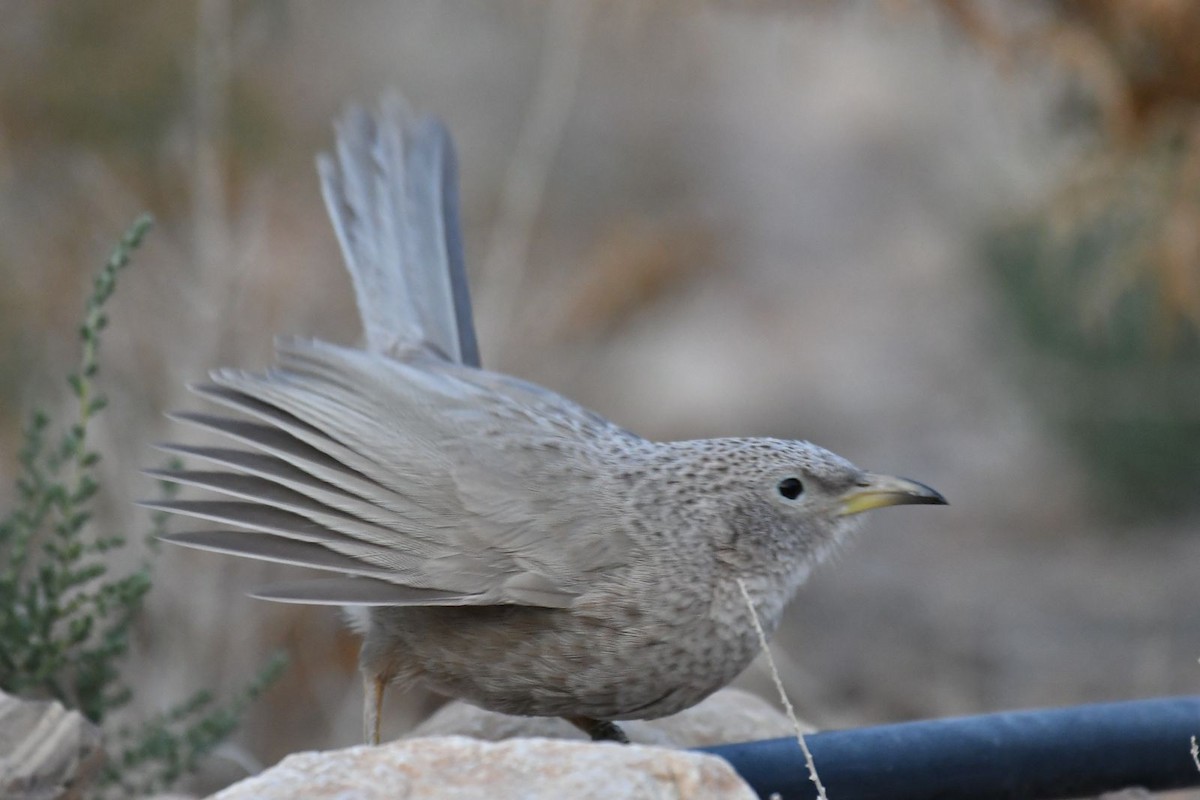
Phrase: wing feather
(453, 480)
(352, 591)
(423, 478)
(266, 547)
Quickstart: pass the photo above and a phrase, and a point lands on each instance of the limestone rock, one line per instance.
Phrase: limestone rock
(730, 715)
(46, 751)
(458, 768)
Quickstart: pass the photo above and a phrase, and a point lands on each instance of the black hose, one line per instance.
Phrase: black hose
(1054, 753)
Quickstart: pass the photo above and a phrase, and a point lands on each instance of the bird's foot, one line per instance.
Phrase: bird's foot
(599, 729)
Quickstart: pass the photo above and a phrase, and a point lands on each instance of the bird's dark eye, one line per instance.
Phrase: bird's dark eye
(791, 488)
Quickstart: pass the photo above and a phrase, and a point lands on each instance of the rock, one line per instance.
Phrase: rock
(46, 751)
(437, 760)
(730, 715)
(458, 768)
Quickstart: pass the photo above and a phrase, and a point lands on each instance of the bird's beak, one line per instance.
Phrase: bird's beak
(877, 491)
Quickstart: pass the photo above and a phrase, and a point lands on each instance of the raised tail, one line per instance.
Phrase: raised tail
(391, 188)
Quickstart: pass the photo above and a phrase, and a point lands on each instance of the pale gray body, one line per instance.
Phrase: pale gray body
(649, 637)
(510, 547)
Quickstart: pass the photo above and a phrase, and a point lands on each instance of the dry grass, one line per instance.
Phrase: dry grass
(783, 697)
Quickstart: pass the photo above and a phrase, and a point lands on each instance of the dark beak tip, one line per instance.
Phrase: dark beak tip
(928, 496)
(923, 500)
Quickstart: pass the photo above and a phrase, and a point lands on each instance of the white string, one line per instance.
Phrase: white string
(791, 712)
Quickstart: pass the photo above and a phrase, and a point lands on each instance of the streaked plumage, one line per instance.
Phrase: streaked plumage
(512, 548)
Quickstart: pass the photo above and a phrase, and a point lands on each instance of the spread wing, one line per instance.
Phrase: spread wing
(419, 482)
(412, 475)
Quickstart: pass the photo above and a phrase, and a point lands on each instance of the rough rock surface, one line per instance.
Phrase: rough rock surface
(730, 715)
(46, 751)
(457, 768)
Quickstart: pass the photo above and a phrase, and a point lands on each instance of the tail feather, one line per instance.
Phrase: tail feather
(392, 194)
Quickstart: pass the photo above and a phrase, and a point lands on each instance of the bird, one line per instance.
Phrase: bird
(493, 540)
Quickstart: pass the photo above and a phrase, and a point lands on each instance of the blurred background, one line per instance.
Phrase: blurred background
(954, 240)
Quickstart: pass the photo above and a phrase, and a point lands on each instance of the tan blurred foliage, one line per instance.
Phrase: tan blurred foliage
(1138, 63)
(635, 264)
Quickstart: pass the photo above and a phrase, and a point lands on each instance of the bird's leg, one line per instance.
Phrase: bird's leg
(373, 688)
(600, 730)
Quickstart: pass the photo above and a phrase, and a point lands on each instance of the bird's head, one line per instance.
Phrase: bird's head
(787, 504)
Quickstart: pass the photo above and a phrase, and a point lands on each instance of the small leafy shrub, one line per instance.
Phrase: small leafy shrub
(65, 621)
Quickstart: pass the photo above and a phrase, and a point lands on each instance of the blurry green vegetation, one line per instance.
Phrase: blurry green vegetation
(102, 93)
(73, 80)
(85, 89)
(1104, 276)
(65, 622)
(1123, 389)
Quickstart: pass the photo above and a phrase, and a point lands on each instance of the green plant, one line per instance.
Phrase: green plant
(65, 623)
(1117, 377)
